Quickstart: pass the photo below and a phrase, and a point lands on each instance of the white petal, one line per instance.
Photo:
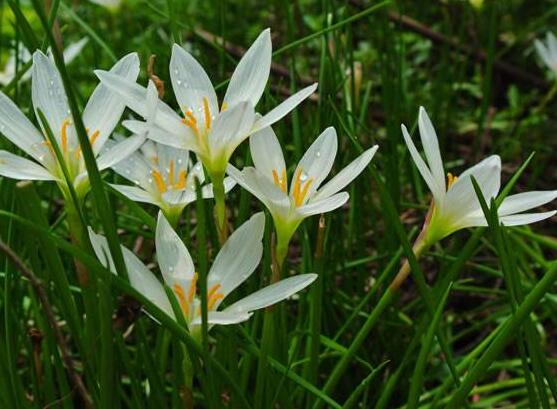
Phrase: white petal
(180, 197)
(135, 96)
(525, 218)
(105, 107)
(250, 76)
(207, 190)
(273, 293)
(16, 167)
(230, 128)
(136, 194)
(544, 54)
(135, 168)
(431, 149)
(422, 168)
(19, 130)
(284, 108)
(160, 135)
(74, 49)
(48, 93)
(259, 186)
(239, 256)
(346, 175)
(324, 205)
(141, 278)
(119, 151)
(266, 153)
(317, 162)
(174, 258)
(522, 202)
(222, 318)
(461, 199)
(191, 83)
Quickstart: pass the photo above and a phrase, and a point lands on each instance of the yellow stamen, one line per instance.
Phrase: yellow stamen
(192, 287)
(181, 180)
(451, 179)
(64, 135)
(92, 140)
(171, 172)
(280, 182)
(159, 181)
(299, 192)
(191, 123)
(212, 290)
(223, 107)
(184, 304)
(211, 301)
(207, 113)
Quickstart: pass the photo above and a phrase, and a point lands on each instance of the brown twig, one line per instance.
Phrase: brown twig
(37, 285)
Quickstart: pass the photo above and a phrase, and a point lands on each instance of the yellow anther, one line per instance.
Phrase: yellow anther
(207, 113)
(159, 181)
(280, 182)
(184, 303)
(191, 123)
(213, 290)
(64, 135)
(223, 107)
(171, 172)
(211, 301)
(181, 180)
(451, 179)
(299, 192)
(92, 140)
(193, 287)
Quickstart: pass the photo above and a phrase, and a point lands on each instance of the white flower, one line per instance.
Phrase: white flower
(268, 181)
(9, 72)
(163, 176)
(548, 51)
(455, 203)
(233, 265)
(212, 132)
(100, 116)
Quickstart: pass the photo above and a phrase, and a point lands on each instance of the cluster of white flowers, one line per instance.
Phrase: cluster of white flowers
(157, 160)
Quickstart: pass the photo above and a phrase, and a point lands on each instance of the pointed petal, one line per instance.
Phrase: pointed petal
(431, 149)
(48, 93)
(141, 278)
(191, 83)
(74, 49)
(522, 202)
(239, 256)
(266, 153)
(250, 76)
(544, 54)
(135, 97)
(317, 162)
(461, 199)
(525, 218)
(222, 318)
(183, 141)
(105, 107)
(19, 130)
(16, 167)
(174, 258)
(324, 205)
(231, 128)
(346, 175)
(284, 108)
(136, 194)
(273, 293)
(438, 194)
(120, 151)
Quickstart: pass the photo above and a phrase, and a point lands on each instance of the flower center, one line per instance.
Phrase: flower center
(300, 188)
(171, 181)
(191, 122)
(184, 300)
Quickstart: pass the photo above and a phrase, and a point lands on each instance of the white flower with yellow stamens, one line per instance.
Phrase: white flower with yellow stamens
(548, 51)
(163, 176)
(455, 203)
(212, 132)
(100, 116)
(234, 264)
(268, 182)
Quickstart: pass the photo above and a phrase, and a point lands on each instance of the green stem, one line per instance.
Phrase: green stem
(217, 179)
